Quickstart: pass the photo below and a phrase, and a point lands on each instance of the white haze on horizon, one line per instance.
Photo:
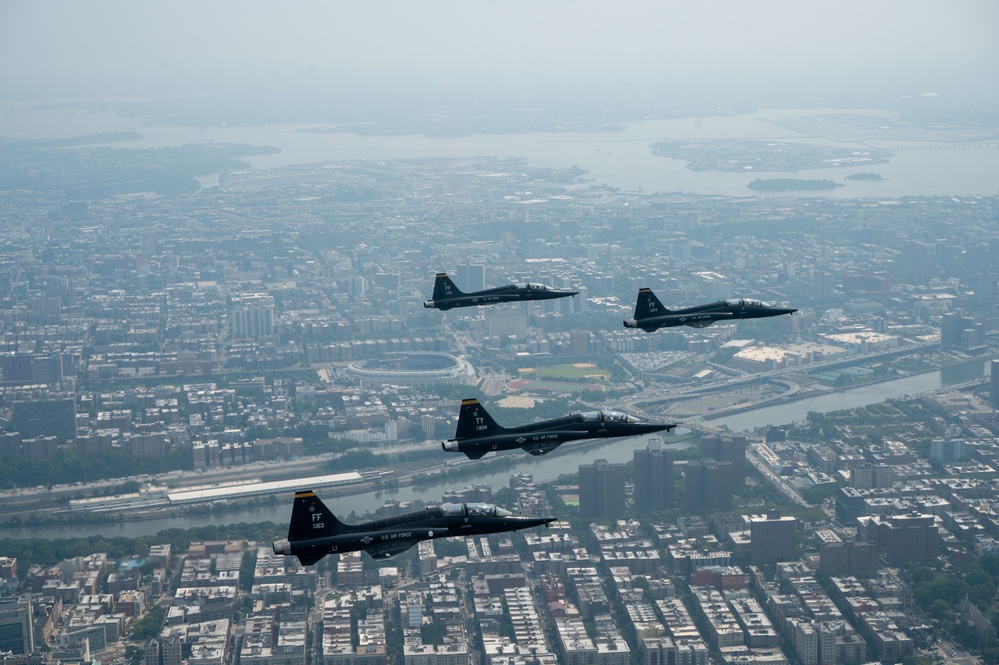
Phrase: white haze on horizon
(112, 48)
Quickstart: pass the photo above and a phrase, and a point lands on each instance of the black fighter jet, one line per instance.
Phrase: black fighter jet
(477, 433)
(315, 532)
(447, 295)
(650, 315)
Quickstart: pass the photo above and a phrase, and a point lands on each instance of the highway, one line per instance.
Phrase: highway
(779, 483)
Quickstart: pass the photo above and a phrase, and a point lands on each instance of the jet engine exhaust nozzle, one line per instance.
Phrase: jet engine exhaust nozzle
(281, 546)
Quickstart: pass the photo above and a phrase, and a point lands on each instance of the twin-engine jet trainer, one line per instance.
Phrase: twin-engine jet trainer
(447, 295)
(477, 433)
(650, 315)
(315, 532)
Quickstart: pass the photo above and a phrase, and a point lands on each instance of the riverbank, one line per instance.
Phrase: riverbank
(413, 476)
(811, 392)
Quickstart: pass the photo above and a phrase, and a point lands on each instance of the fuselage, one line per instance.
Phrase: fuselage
(392, 535)
(701, 316)
(499, 294)
(543, 436)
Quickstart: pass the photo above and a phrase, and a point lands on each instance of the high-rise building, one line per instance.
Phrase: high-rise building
(40, 448)
(470, 276)
(506, 321)
(46, 417)
(252, 316)
(428, 422)
(579, 301)
(10, 443)
(601, 490)
(871, 476)
(994, 369)
(580, 342)
(171, 650)
(849, 558)
(984, 290)
(709, 485)
(909, 537)
(727, 449)
(772, 539)
(822, 285)
(151, 654)
(947, 450)
(15, 367)
(960, 332)
(8, 567)
(653, 477)
(16, 628)
(46, 369)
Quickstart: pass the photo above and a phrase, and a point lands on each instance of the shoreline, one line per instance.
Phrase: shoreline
(725, 412)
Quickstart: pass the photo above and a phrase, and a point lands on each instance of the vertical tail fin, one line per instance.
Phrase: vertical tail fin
(444, 288)
(474, 421)
(310, 518)
(648, 305)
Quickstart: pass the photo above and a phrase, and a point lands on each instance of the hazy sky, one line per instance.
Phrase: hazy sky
(61, 49)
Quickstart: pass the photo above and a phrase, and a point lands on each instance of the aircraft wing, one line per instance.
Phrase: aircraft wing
(541, 448)
(388, 549)
(309, 558)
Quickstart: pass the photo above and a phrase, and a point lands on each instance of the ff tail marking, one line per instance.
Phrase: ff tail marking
(310, 518)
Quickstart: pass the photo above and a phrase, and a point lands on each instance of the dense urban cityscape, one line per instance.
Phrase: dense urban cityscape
(170, 348)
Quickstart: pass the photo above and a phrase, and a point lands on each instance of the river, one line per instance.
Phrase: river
(621, 159)
(563, 460)
(792, 411)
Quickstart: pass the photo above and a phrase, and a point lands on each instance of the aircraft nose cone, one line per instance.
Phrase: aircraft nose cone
(650, 428)
(530, 522)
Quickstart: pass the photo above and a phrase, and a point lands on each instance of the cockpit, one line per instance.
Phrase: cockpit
(745, 302)
(608, 417)
(473, 510)
(536, 287)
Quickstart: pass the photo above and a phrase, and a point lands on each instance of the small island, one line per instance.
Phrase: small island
(792, 185)
(864, 176)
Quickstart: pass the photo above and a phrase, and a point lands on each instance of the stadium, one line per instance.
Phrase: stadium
(414, 369)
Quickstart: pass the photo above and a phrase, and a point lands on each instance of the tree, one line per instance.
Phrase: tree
(939, 609)
(134, 654)
(148, 625)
